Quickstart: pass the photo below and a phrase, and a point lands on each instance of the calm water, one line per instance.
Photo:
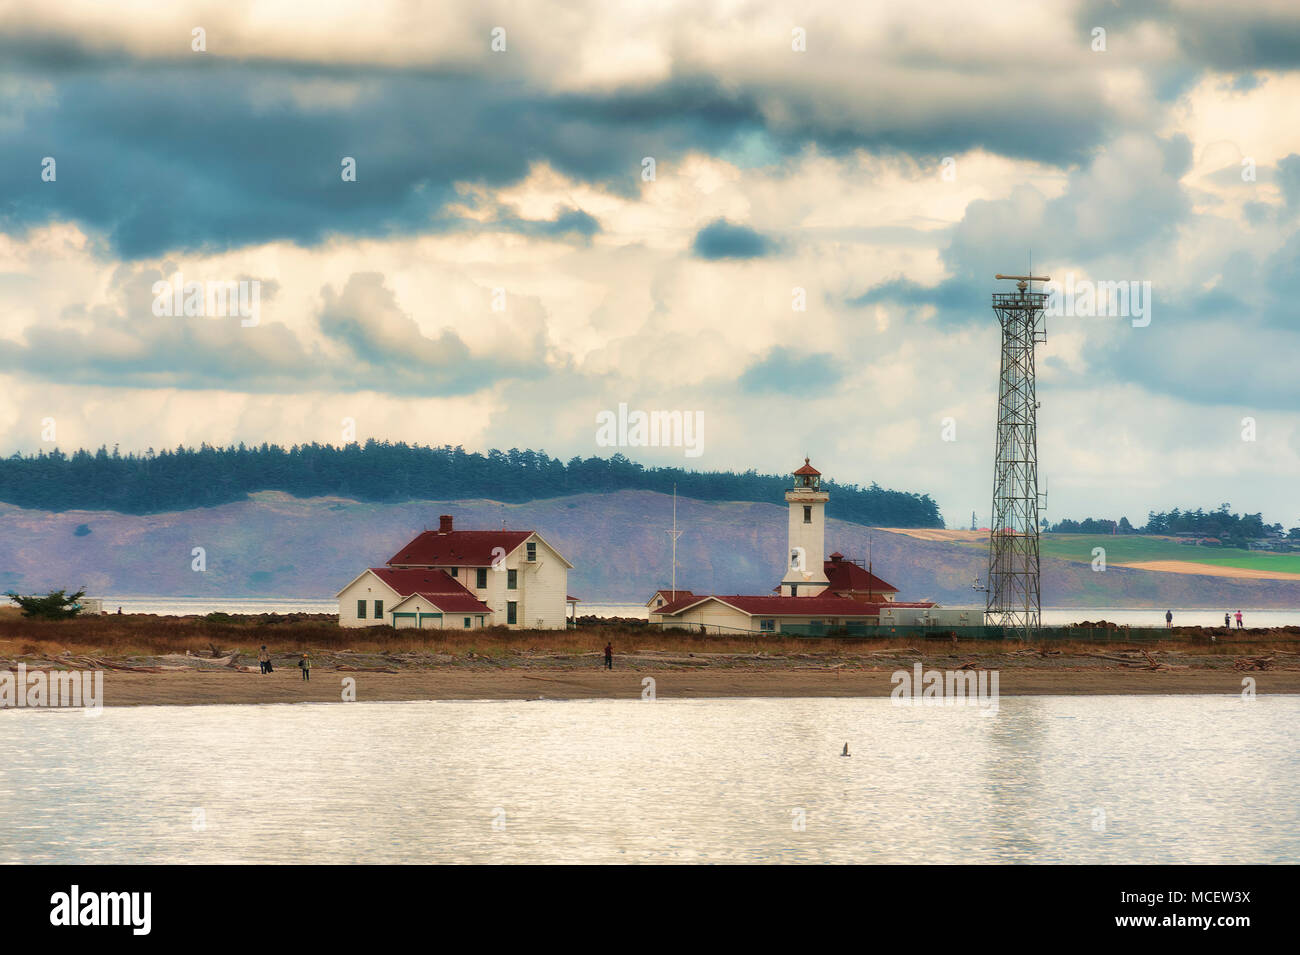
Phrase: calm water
(1178, 779)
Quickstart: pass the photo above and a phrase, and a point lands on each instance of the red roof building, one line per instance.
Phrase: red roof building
(849, 579)
(447, 547)
(434, 585)
(841, 594)
(665, 596)
(448, 577)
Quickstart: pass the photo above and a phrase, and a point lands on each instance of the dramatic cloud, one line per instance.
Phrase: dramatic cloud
(724, 240)
(784, 371)
(785, 220)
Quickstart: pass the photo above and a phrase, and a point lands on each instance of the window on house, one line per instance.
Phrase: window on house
(532, 550)
(807, 513)
(767, 625)
(512, 580)
(361, 610)
(794, 590)
(379, 610)
(467, 623)
(512, 611)
(455, 571)
(480, 580)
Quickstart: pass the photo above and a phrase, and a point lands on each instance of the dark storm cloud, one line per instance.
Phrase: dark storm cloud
(162, 157)
(1228, 37)
(199, 153)
(721, 239)
(789, 372)
(1288, 178)
(568, 222)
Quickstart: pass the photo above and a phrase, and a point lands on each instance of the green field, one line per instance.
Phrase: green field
(1121, 549)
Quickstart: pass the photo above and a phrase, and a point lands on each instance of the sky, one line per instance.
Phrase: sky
(486, 224)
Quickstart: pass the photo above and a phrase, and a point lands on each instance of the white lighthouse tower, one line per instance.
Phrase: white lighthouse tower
(805, 574)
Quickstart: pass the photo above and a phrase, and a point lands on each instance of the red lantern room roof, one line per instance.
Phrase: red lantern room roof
(808, 469)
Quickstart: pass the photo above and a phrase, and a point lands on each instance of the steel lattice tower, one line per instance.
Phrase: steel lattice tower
(1014, 592)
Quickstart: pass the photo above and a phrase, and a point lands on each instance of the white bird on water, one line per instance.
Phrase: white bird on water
(846, 750)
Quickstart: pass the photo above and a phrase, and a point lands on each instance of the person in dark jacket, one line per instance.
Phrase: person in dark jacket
(609, 656)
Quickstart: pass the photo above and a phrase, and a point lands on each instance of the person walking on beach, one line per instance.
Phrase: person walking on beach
(1226, 624)
(609, 656)
(305, 665)
(1169, 618)
(264, 659)
(1238, 619)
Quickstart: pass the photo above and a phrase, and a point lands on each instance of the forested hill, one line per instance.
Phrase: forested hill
(185, 478)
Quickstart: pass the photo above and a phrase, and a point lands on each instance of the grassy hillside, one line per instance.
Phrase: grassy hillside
(1129, 549)
(276, 545)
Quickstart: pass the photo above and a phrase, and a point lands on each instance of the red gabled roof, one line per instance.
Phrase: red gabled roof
(781, 606)
(436, 586)
(684, 599)
(453, 603)
(457, 548)
(808, 469)
(671, 595)
(407, 581)
(844, 575)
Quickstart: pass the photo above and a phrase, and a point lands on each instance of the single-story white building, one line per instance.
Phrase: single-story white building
(740, 613)
(450, 579)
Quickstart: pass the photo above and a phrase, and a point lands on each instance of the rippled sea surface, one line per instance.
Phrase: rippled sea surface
(1045, 779)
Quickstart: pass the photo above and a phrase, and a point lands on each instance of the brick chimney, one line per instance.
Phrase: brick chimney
(444, 523)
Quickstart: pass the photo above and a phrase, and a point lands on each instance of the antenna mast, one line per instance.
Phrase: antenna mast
(1014, 581)
(674, 534)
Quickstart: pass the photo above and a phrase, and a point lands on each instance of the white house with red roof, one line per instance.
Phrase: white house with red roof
(450, 579)
(815, 595)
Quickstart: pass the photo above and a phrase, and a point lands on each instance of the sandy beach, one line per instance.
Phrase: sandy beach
(185, 661)
(326, 686)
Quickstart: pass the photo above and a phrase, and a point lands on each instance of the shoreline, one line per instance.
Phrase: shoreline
(232, 687)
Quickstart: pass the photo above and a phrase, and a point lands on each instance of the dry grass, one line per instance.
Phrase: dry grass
(145, 634)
